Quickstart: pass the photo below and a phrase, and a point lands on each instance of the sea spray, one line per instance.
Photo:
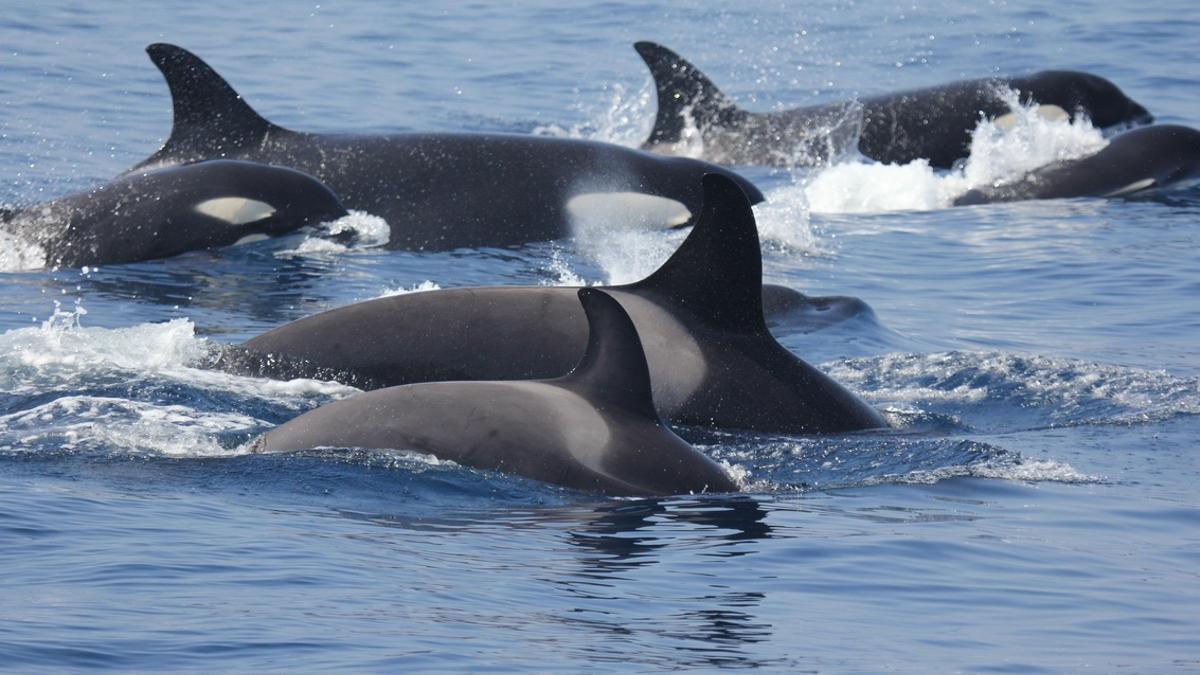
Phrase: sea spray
(1001, 151)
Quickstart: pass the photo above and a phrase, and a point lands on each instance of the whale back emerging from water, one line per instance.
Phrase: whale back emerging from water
(593, 429)
(712, 360)
(1135, 162)
(934, 123)
(161, 213)
(437, 191)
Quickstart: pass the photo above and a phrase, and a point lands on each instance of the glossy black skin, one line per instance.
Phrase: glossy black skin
(1139, 160)
(437, 191)
(933, 123)
(712, 359)
(595, 429)
(151, 214)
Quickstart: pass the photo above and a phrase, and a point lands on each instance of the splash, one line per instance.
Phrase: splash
(18, 254)
(100, 423)
(1002, 150)
(624, 119)
(561, 271)
(129, 390)
(626, 254)
(426, 285)
(358, 229)
(63, 355)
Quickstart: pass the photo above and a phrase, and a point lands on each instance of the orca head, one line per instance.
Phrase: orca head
(1095, 97)
(256, 199)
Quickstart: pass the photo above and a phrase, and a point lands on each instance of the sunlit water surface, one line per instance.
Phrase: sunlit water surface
(1034, 508)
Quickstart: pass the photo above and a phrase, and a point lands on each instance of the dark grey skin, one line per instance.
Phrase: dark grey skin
(933, 123)
(1137, 161)
(594, 429)
(712, 359)
(797, 312)
(437, 191)
(157, 214)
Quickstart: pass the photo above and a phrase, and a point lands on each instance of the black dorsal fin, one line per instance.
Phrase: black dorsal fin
(210, 117)
(613, 369)
(682, 91)
(716, 274)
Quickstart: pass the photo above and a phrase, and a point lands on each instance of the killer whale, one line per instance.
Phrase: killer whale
(593, 429)
(436, 190)
(1137, 161)
(161, 213)
(934, 123)
(712, 358)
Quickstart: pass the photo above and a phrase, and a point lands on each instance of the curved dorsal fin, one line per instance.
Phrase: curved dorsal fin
(210, 117)
(613, 368)
(683, 91)
(716, 274)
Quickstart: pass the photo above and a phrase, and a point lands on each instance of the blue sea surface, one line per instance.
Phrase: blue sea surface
(1034, 509)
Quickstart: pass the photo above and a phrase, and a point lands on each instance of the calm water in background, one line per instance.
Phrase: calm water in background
(1035, 509)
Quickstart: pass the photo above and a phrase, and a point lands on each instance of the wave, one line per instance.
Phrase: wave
(142, 391)
(1001, 391)
(139, 389)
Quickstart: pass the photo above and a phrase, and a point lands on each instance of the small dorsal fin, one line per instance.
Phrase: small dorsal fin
(613, 368)
(210, 117)
(716, 274)
(682, 91)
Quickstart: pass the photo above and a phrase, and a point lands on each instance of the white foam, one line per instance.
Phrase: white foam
(560, 267)
(18, 254)
(426, 285)
(740, 476)
(74, 422)
(1001, 151)
(1035, 470)
(62, 354)
(368, 231)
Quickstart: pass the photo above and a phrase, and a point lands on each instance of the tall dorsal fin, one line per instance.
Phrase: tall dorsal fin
(210, 117)
(613, 368)
(682, 91)
(716, 274)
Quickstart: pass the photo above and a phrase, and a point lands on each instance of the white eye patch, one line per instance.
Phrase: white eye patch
(627, 208)
(236, 210)
(1050, 113)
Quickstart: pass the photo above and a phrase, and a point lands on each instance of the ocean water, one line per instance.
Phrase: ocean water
(1033, 509)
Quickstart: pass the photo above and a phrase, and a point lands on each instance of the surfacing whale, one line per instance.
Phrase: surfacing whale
(1133, 163)
(593, 429)
(436, 190)
(934, 123)
(713, 361)
(157, 214)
